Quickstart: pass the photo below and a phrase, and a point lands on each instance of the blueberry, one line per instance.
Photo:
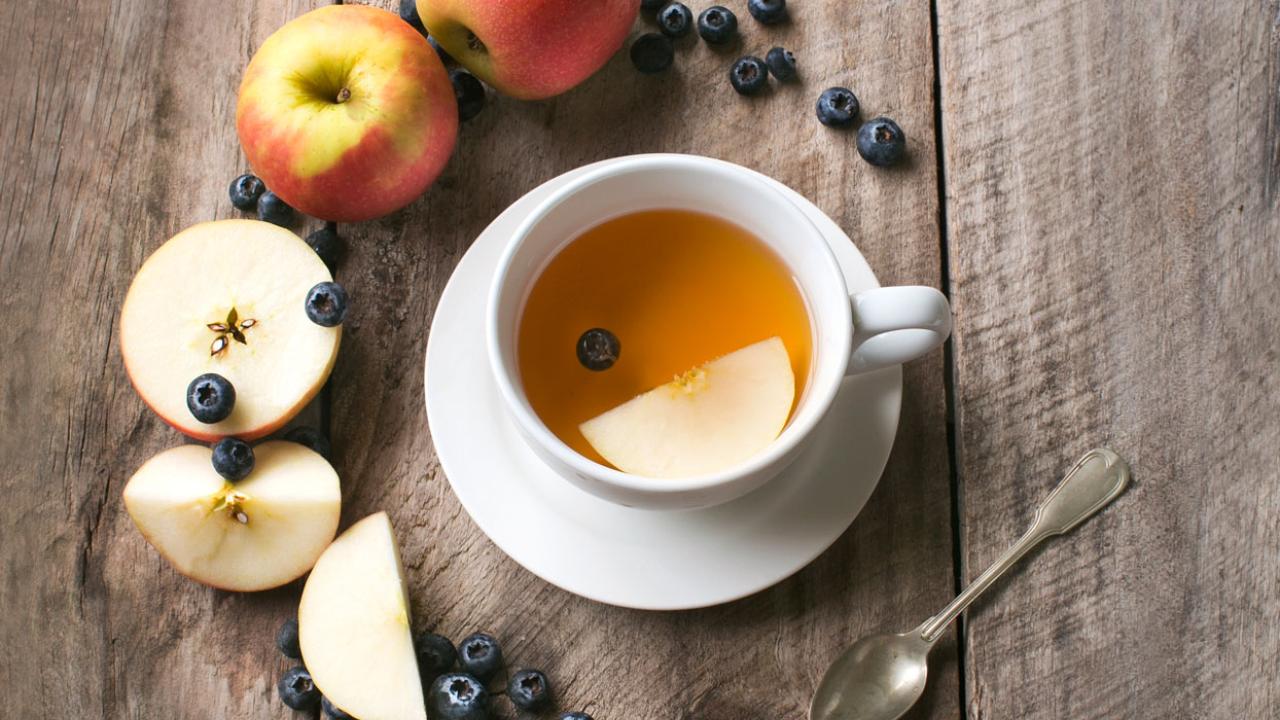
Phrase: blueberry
(469, 92)
(749, 75)
(529, 690)
(574, 716)
(312, 438)
(327, 244)
(287, 639)
(652, 53)
(881, 142)
(233, 459)
(837, 107)
(458, 696)
(210, 398)
(245, 191)
(781, 63)
(333, 712)
(480, 655)
(436, 655)
(327, 304)
(598, 349)
(717, 24)
(767, 11)
(409, 14)
(297, 690)
(445, 57)
(675, 20)
(652, 6)
(274, 210)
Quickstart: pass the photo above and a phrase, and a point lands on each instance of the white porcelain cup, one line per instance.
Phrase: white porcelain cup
(870, 330)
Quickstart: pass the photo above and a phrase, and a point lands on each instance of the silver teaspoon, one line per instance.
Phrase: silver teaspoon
(880, 677)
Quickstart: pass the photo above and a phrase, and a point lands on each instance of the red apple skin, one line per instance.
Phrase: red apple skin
(532, 49)
(338, 157)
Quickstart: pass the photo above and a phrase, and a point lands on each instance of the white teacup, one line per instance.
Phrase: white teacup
(855, 334)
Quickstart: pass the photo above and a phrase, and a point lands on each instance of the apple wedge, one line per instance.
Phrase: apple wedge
(255, 534)
(354, 626)
(228, 297)
(707, 419)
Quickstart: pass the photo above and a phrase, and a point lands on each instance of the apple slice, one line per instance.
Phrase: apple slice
(243, 273)
(354, 626)
(708, 419)
(258, 533)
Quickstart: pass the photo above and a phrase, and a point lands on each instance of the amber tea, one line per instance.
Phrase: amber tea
(677, 288)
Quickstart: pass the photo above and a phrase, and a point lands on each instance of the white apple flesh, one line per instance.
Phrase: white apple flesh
(354, 626)
(261, 271)
(706, 420)
(258, 533)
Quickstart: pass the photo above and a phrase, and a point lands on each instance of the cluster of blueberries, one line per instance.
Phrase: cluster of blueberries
(451, 695)
(880, 141)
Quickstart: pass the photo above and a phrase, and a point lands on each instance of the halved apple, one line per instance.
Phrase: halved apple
(255, 534)
(227, 297)
(354, 626)
(707, 419)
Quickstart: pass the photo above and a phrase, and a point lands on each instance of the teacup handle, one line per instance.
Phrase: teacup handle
(895, 324)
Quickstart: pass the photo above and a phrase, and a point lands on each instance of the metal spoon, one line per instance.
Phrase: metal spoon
(880, 677)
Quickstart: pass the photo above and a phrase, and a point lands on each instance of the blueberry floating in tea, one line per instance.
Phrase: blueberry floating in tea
(598, 349)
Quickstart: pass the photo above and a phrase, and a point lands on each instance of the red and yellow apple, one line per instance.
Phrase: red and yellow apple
(347, 113)
(531, 49)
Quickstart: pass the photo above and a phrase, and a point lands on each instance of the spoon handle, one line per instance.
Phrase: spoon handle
(1095, 480)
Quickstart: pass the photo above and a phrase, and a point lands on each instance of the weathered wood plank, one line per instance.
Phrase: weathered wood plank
(1112, 175)
(116, 132)
(761, 657)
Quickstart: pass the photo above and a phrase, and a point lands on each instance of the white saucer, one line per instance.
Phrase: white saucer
(641, 558)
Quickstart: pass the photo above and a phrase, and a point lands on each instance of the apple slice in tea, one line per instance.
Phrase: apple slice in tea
(705, 420)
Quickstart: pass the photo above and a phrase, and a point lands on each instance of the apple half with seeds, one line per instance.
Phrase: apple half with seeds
(706, 420)
(228, 298)
(258, 533)
(354, 626)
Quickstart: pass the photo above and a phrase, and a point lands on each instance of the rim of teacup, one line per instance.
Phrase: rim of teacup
(814, 403)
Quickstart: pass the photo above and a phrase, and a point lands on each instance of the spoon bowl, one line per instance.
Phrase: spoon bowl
(878, 678)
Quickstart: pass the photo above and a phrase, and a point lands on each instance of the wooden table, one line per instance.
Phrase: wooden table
(1096, 184)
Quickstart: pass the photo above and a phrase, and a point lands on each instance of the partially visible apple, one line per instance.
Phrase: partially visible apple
(354, 626)
(347, 113)
(255, 534)
(198, 278)
(531, 49)
(708, 419)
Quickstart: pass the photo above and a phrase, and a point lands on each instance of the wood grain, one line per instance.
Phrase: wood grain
(758, 658)
(116, 133)
(1112, 175)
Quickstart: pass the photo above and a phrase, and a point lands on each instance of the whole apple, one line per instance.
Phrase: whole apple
(531, 49)
(347, 113)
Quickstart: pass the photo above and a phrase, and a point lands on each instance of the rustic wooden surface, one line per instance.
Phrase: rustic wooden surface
(1112, 185)
(1110, 175)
